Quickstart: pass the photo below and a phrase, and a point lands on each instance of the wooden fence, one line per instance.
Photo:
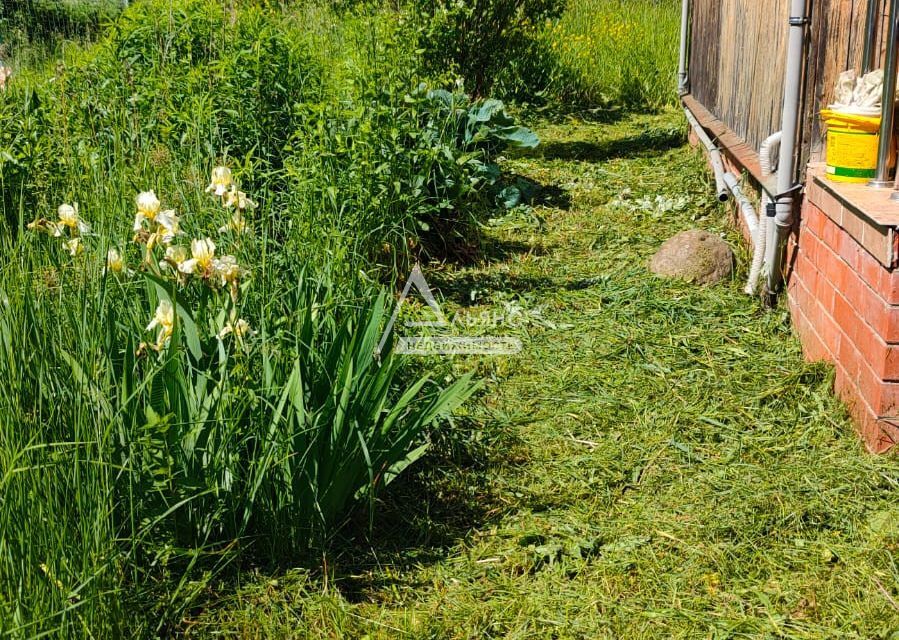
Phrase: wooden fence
(738, 58)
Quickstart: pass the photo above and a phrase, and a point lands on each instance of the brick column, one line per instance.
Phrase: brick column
(845, 307)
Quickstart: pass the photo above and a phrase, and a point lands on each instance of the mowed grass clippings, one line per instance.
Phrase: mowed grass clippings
(662, 463)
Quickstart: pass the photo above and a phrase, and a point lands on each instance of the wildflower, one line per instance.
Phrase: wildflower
(114, 262)
(220, 182)
(203, 254)
(174, 257)
(148, 208)
(228, 273)
(164, 318)
(148, 205)
(167, 227)
(240, 330)
(68, 217)
(227, 269)
(239, 199)
(73, 246)
(42, 224)
(237, 224)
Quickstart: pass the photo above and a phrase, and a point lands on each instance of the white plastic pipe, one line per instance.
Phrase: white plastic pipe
(786, 167)
(767, 153)
(730, 182)
(714, 156)
(726, 181)
(750, 217)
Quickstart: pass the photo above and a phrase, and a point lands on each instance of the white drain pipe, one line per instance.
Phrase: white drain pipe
(726, 181)
(714, 156)
(760, 240)
(747, 209)
(786, 170)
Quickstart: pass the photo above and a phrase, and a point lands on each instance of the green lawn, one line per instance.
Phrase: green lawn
(658, 462)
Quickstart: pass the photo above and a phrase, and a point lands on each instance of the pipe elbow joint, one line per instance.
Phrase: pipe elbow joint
(783, 217)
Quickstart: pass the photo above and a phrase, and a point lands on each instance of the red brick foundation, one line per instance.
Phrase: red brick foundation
(845, 307)
(843, 291)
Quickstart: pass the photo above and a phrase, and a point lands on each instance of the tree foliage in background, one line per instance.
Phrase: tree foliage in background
(479, 38)
(41, 19)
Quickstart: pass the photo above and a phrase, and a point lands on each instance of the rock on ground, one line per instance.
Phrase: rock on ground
(696, 256)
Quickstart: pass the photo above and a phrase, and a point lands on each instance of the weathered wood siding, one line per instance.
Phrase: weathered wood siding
(738, 59)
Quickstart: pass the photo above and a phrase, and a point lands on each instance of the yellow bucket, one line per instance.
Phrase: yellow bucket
(852, 142)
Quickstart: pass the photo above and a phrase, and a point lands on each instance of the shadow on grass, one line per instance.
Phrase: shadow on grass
(593, 115)
(552, 196)
(433, 506)
(422, 514)
(496, 250)
(459, 289)
(471, 289)
(536, 194)
(648, 143)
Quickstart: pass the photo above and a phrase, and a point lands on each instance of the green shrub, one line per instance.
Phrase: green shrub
(169, 84)
(382, 171)
(155, 468)
(407, 174)
(480, 39)
(192, 74)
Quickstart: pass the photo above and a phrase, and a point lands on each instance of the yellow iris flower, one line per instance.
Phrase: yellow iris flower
(239, 199)
(201, 262)
(164, 318)
(68, 217)
(220, 182)
(73, 246)
(114, 262)
(240, 330)
(237, 224)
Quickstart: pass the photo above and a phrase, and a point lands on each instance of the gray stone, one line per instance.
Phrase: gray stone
(695, 256)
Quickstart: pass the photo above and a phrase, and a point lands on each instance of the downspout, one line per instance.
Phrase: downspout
(682, 78)
(786, 171)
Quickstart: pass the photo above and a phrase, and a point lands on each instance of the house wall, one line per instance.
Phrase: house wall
(738, 58)
(843, 294)
(844, 303)
(737, 62)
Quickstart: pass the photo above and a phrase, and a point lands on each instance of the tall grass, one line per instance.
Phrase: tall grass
(136, 464)
(618, 52)
(34, 32)
(137, 461)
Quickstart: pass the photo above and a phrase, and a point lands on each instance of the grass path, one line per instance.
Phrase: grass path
(659, 461)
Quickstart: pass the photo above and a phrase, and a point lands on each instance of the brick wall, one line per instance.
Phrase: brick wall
(843, 291)
(845, 307)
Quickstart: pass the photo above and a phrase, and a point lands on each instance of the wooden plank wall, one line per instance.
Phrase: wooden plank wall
(741, 81)
(738, 55)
